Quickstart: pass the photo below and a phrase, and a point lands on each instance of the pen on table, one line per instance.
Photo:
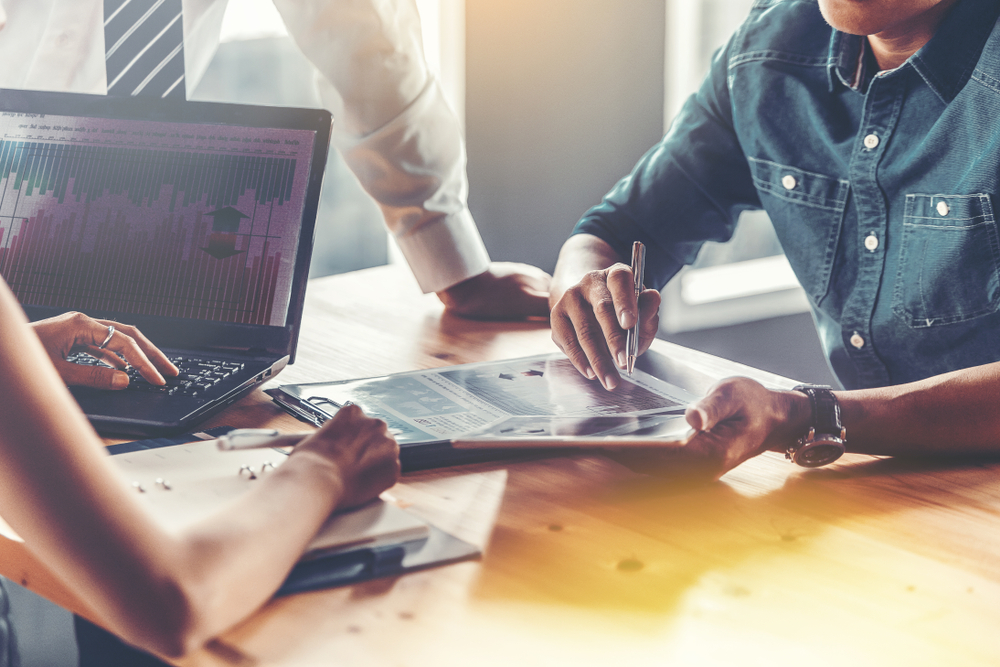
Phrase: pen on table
(258, 438)
(632, 336)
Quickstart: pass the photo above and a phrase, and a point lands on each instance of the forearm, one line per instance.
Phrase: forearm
(235, 560)
(164, 592)
(953, 413)
(369, 51)
(580, 254)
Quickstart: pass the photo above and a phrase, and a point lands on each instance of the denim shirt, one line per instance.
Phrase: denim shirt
(880, 185)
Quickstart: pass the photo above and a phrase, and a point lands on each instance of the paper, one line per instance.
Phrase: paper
(445, 403)
(183, 484)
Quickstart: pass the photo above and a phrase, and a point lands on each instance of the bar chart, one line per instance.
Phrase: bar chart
(185, 232)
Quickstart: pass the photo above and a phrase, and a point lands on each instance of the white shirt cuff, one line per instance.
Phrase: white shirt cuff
(414, 167)
(445, 252)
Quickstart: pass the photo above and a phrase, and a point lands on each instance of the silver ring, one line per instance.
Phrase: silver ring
(111, 332)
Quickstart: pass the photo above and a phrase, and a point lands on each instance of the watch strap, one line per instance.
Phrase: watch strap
(825, 408)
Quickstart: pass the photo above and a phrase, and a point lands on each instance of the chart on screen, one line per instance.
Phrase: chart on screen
(166, 219)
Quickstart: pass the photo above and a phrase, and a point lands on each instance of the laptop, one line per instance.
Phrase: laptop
(192, 221)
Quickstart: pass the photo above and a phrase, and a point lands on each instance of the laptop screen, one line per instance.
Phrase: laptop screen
(152, 218)
(191, 220)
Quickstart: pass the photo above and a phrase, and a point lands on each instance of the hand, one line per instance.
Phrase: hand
(590, 320)
(737, 420)
(505, 291)
(364, 456)
(76, 332)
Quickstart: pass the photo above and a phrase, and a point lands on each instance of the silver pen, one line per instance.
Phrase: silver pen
(632, 336)
(258, 438)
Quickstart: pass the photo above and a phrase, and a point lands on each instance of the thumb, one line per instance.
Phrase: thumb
(705, 414)
(98, 377)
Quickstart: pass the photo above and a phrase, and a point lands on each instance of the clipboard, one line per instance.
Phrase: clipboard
(404, 548)
(428, 411)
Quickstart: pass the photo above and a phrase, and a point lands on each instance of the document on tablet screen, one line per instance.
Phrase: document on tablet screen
(445, 403)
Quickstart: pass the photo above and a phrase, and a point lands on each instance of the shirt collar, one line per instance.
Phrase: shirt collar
(944, 63)
(846, 62)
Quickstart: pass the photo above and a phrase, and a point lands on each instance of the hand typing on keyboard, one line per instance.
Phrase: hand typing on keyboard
(195, 375)
(113, 348)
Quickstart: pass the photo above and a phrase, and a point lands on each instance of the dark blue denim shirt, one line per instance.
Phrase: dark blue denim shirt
(880, 185)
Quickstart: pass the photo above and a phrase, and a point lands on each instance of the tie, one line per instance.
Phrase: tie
(144, 42)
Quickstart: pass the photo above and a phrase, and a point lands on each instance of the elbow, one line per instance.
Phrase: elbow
(175, 626)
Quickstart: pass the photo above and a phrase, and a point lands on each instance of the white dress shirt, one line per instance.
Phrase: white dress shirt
(396, 131)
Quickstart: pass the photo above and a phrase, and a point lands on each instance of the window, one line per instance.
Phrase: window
(747, 278)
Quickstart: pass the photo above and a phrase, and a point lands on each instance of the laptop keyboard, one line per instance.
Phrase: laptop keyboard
(197, 374)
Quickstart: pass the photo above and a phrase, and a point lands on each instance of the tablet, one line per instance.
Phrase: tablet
(608, 431)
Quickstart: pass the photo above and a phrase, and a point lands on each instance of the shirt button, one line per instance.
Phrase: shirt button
(871, 242)
(871, 141)
(789, 181)
(857, 341)
(942, 208)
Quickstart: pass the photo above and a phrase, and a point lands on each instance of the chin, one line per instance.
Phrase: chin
(855, 17)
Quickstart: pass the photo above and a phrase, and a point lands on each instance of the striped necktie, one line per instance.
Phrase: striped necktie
(144, 43)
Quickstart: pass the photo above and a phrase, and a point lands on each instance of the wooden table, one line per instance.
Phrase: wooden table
(866, 562)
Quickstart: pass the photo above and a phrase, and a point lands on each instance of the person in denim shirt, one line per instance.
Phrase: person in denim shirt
(870, 133)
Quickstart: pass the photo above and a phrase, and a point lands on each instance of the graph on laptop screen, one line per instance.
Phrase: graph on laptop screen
(152, 218)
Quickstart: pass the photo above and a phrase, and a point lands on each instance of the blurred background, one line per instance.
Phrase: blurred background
(558, 99)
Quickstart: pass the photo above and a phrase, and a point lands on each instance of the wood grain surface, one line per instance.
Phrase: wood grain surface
(870, 561)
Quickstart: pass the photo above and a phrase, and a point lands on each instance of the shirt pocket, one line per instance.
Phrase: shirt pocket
(807, 210)
(948, 260)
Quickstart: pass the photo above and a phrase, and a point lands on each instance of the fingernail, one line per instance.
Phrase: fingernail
(621, 318)
(119, 381)
(590, 374)
(610, 382)
(622, 359)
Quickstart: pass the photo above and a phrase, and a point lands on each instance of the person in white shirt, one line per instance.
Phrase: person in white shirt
(396, 131)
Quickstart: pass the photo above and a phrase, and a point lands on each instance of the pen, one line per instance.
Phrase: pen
(258, 438)
(632, 336)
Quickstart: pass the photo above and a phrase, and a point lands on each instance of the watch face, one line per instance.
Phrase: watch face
(819, 453)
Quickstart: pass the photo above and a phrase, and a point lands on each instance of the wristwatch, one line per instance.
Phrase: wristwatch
(824, 442)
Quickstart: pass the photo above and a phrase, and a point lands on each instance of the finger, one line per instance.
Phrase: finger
(153, 354)
(649, 313)
(564, 336)
(706, 413)
(697, 418)
(107, 357)
(622, 289)
(347, 414)
(730, 442)
(88, 331)
(98, 377)
(595, 330)
(124, 345)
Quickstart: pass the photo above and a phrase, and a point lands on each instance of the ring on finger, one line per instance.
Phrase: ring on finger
(111, 332)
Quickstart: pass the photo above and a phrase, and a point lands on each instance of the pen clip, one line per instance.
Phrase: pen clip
(638, 265)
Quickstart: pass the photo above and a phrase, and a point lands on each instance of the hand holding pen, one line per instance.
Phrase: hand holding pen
(601, 317)
(632, 337)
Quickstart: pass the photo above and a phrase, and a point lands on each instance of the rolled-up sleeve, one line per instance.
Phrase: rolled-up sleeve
(396, 131)
(688, 189)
